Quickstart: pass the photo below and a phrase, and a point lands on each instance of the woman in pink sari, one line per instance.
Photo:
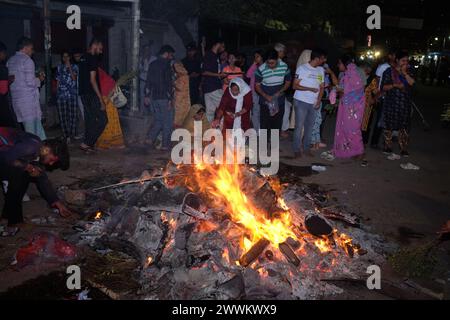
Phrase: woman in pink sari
(348, 140)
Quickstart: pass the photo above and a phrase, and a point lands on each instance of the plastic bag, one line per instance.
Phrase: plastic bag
(273, 106)
(43, 247)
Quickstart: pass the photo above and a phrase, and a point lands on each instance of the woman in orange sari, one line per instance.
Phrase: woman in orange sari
(112, 136)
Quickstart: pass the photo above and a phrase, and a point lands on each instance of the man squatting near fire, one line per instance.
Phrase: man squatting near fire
(23, 159)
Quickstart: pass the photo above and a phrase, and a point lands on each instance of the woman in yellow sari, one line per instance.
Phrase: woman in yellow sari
(112, 136)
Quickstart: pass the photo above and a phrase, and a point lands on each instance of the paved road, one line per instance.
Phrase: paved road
(388, 195)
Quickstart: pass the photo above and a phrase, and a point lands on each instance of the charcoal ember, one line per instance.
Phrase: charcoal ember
(174, 258)
(349, 250)
(269, 255)
(289, 254)
(233, 289)
(362, 252)
(272, 273)
(202, 277)
(182, 234)
(294, 244)
(192, 261)
(75, 197)
(254, 252)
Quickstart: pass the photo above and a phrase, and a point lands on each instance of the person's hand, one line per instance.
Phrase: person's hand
(63, 210)
(222, 75)
(315, 90)
(215, 123)
(102, 105)
(399, 86)
(33, 171)
(41, 76)
(231, 114)
(268, 98)
(317, 104)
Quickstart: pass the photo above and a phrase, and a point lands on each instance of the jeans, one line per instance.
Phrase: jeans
(255, 112)
(305, 115)
(163, 117)
(315, 135)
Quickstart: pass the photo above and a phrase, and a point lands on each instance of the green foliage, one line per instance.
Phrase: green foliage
(415, 262)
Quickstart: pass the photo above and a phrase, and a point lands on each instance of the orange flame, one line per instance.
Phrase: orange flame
(98, 215)
(322, 245)
(223, 183)
(149, 261)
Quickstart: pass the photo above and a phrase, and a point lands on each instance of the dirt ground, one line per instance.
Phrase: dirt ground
(389, 198)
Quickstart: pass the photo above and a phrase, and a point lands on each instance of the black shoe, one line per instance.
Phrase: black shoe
(404, 154)
(387, 151)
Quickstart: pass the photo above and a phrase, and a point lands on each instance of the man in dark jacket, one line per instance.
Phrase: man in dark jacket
(23, 159)
(159, 95)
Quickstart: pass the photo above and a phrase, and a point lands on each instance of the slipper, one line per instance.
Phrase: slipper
(409, 166)
(364, 163)
(394, 157)
(328, 155)
(10, 232)
(87, 150)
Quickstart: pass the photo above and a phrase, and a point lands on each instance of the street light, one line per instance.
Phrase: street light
(436, 39)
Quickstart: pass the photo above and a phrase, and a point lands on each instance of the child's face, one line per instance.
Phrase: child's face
(231, 59)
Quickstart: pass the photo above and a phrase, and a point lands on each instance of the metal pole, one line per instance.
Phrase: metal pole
(48, 52)
(135, 48)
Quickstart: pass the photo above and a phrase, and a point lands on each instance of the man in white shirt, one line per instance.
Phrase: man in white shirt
(390, 60)
(309, 87)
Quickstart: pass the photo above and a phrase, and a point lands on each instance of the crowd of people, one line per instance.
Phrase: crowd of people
(371, 102)
(213, 86)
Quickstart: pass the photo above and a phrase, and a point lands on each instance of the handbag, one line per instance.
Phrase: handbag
(118, 98)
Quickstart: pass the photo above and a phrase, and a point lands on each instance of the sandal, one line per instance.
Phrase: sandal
(10, 232)
(409, 166)
(327, 155)
(394, 157)
(87, 149)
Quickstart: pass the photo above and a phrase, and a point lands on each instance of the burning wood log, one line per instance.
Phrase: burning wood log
(140, 180)
(193, 206)
(289, 254)
(254, 252)
(338, 216)
(317, 226)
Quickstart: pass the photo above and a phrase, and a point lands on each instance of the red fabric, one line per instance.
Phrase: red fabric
(228, 104)
(45, 246)
(107, 83)
(4, 86)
